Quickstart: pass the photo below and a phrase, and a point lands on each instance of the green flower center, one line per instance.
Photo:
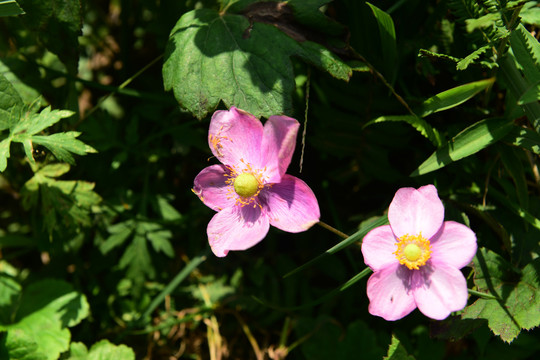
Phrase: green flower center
(246, 185)
(412, 252)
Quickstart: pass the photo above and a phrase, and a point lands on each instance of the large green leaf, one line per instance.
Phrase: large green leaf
(525, 138)
(527, 52)
(471, 140)
(396, 351)
(44, 312)
(10, 8)
(18, 345)
(213, 57)
(517, 305)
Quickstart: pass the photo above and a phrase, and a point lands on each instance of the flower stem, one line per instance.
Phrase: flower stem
(482, 295)
(332, 229)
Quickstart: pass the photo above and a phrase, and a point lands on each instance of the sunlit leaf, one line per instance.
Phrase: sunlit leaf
(525, 138)
(18, 345)
(518, 303)
(101, 350)
(531, 95)
(396, 351)
(418, 123)
(527, 52)
(471, 58)
(10, 8)
(471, 140)
(453, 97)
(214, 57)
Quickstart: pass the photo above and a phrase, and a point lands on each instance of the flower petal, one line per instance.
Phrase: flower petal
(277, 148)
(210, 187)
(290, 205)
(415, 211)
(236, 228)
(235, 137)
(440, 290)
(378, 247)
(454, 245)
(389, 294)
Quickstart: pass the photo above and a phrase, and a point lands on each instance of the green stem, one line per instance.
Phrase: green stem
(332, 229)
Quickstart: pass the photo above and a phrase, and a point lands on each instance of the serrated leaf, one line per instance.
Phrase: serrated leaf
(10, 8)
(471, 58)
(527, 52)
(518, 304)
(65, 203)
(35, 123)
(429, 53)
(211, 58)
(453, 97)
(63, 144)
(167, 211)
(418, 123)
(119, 234)
(471, 140)
(396, 351)
(136, 260)
(11, 104)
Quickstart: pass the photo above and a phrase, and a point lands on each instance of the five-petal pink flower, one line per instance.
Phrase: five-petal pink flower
(249, 189)
(416, 259)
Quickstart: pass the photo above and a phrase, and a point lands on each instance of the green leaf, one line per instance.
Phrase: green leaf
(471, 58)
(453, 97)
(18, 345)
(527, 52)
(36, 123)
(11, 104)
(531, 95)
(387, 35)
(119, 234)
(102, 350)
(524, 138)
(63, 144)
(396, 351)
(65, 203)
(44, 311)
(4, 153)
(10, 8)
(471, 140)
(418, 123)
(211, 58)
(136, 260)
(518, 305)
(10, 291)
(514, 167)
(167, 211)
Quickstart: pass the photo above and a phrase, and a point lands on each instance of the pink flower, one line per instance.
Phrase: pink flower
(416, 259)
(251, 191)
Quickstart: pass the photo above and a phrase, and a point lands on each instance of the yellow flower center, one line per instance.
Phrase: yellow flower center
(413, 251)
(246, 185)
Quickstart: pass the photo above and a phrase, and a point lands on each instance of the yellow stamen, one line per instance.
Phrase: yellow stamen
(245, 184)
(413, 251)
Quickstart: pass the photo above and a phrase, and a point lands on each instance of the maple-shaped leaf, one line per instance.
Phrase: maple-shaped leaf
(238, 59)
(64, 203)
(517, 305)
(26, 130)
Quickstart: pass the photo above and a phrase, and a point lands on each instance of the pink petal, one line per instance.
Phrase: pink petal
(389, 294)
(236, 228)
(454, 245)
(413, 211)
(235, 137)
(210, 187)
(378, 247)
(277, 148)
(290, 205)
(440, 290)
